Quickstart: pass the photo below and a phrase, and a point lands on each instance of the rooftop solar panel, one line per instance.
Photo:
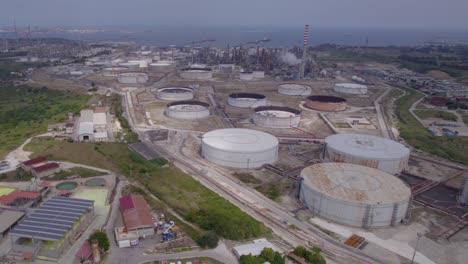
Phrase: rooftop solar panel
(53, 219)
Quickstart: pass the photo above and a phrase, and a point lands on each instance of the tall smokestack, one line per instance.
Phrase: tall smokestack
(304, 52)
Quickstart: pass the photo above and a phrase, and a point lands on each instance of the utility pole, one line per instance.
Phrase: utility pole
(416, 247)
(304, 52)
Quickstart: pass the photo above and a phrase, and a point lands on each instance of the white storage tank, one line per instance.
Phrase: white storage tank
(258, 74)
(350, 88)
(188, 110)
(294, 89)
(175, 93)
(246, 100)
(246, 76)
(371, 151)
(196, 73)
(113, 71)
(132, 77)
(354, 195)
(276, 116)
(239, 148)
(132, 66)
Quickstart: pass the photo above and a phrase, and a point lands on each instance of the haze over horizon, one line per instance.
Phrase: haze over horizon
(396, 14)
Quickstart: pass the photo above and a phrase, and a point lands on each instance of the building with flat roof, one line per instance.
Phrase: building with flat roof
(8, 218)
(45, 170)
(29, 164)
(52, 227)
(254, 248)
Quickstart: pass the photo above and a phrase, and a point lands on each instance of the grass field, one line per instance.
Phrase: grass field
(425, 114)
(465, 119)
(26, 111)
(6, 190)
(185, 195)
(82, 172)
(451, 148)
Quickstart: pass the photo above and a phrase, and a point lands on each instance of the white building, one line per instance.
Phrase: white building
(254, 248)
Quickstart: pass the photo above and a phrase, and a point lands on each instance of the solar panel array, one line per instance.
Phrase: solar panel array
(53, 219)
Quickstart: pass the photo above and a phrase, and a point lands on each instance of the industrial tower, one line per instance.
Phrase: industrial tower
(304, 52)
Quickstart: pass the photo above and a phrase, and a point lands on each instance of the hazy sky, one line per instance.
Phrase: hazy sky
(325, 13)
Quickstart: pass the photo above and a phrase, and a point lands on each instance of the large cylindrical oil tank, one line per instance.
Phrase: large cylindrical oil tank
(188, 110)
(246, 100)
(294, 89)
(175, 93)
(350, 88)
(196, 73)
(326, 103)
(239, 148)
(276, 116)
(132, 77)
(371, 151)
(354, 195)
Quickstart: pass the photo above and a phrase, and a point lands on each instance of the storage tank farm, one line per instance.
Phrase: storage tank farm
(175, 93)
(371, 151)
(187, 110)
(354, 195)
(350, 88)
(239, 148)
(276, 116)
(294, 89)
(113, 71)
(246, 100)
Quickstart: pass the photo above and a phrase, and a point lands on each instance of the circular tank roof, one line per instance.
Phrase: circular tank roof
(355, 183)
(367, 146)
(195, 69)
(326, 99)
(350, 85)
(240, 140)
(175, 90)
(247, 95)
(277, 109)
(188, 102)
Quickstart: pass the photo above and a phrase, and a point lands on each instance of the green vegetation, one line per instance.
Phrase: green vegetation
(451, 148)
(465, 119)
(425, 114)
(80, 171)
(188, 197)
(311, 257)
(208, 240)
(326, 231)
(267, 255)
(199, 260)
(116, 108)
(26, 111)
(270, 190)
(102, 239)
(246, 177)
(16, 175)
(7, 69)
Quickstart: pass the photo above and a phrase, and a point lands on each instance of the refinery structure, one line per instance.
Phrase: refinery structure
(301, 143)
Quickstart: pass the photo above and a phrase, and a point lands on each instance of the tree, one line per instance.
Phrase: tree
(208, 240)
(101, 237)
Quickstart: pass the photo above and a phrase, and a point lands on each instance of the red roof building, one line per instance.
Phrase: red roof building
(136, 212)
(45, 170)
(19, 197)
(34, 161)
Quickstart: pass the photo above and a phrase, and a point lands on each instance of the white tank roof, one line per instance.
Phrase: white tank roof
(350, 85)
(240, 140)
(367, 146)
(355, 183)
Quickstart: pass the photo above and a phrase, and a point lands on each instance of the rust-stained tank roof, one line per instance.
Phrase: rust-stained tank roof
(355, 183)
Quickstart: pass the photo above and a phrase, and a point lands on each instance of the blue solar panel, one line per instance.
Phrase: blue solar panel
(53, 219)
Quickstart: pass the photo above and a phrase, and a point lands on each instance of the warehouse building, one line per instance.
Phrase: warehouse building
(57, 223)
(8, 218)
(354, 195)
(20, 198)
(46, 170)
(93, 125)
(29, 164)
(254, 248)
(138, 220)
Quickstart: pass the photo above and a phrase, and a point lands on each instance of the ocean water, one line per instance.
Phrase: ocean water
(280, 37)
